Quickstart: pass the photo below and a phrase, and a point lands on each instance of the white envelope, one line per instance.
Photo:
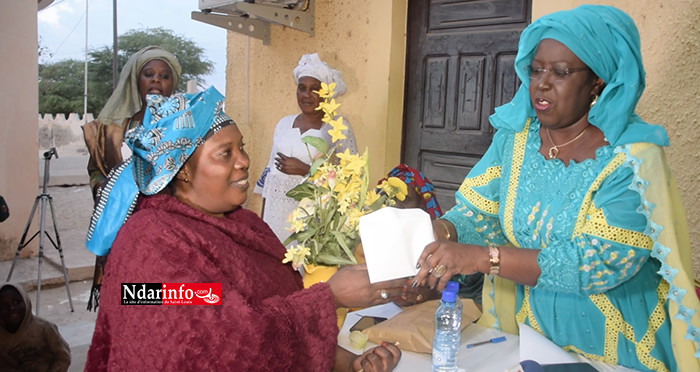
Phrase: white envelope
(392, 240)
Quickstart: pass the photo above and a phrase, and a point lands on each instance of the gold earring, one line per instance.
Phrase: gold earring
(595, 99)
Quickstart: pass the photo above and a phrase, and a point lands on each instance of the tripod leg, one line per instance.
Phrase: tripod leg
(60, 253)
(24, 236)
(42, 232)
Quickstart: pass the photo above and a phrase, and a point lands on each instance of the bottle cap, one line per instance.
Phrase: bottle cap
(452, 286)
(449, 296)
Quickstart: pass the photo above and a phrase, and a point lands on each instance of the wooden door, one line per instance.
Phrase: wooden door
(459, 67)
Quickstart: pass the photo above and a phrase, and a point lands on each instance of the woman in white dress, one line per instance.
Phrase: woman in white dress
(290, 158)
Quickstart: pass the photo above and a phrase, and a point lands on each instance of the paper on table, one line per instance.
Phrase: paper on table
(387, 310)
(534, 346)
(392, 240)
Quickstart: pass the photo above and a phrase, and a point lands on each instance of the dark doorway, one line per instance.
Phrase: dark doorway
(459, 67)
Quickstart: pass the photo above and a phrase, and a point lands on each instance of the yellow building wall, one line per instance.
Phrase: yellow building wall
(365, 39)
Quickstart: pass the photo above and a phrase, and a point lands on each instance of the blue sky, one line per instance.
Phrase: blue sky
(61, 28)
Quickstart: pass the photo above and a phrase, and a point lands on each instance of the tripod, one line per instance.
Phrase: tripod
(43, 197)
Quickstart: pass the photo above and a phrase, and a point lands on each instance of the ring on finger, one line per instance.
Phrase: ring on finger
(439, 271)
(383, 294)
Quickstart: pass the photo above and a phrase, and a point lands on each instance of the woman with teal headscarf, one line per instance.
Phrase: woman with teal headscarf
(572, 213)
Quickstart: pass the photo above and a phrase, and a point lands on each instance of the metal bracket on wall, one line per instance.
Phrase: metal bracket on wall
(254, 19)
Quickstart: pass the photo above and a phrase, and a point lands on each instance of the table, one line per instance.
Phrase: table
(487, 358)
(503, 356)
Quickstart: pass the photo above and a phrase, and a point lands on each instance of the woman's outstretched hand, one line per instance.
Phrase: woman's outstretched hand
(414, 295)
(290, 165)
(442, 259)
(351, 288)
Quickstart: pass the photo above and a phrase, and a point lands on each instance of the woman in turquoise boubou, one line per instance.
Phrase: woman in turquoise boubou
(573, 213)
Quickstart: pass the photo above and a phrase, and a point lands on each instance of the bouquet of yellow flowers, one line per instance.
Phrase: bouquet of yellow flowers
(334, 196)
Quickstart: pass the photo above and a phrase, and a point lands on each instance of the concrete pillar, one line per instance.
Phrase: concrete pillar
(18, 123)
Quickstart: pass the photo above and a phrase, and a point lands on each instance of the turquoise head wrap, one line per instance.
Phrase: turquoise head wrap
(606, 40)
(173, 127)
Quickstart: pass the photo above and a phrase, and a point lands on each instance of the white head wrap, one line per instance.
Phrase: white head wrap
(311, 65)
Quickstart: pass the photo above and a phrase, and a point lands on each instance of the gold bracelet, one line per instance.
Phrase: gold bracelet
(494, 260)
(447, 230)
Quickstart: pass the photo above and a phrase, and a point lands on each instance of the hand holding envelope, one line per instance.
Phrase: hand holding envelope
(392, 240)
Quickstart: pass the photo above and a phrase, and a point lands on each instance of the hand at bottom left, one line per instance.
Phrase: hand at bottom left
(378, 359)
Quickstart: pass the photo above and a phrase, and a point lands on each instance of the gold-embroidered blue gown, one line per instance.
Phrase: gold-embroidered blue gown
(598, 293)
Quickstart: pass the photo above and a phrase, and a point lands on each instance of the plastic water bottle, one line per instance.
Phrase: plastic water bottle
(446, 340)
(453, 286)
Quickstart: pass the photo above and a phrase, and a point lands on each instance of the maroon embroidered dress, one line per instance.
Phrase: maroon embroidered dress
(266, 321)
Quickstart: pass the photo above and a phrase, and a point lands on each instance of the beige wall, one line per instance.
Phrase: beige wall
(365, 39)
(18, 125)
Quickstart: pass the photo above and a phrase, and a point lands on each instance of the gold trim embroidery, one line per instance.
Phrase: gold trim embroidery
(519, 143)
(525, 312)
(588, 198)
(616, 325)
(466, 189)
(598, 226)
(638, 147)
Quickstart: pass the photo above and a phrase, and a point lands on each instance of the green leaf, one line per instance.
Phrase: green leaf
(303, 236)
(341, 240)
(331, 260)
(316, 163)
(301, 191)
(290, 239)
(317, 142)
(339, 222)
(365, 178)
(378, 203)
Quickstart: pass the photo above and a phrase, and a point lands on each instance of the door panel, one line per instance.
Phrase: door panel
(459, 67)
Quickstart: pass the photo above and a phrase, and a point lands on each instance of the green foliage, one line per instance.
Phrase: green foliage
(61, 83)
(304, 190)
(317, 142)
(61, 87)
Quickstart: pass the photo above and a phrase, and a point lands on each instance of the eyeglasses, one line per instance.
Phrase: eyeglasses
(558, 73)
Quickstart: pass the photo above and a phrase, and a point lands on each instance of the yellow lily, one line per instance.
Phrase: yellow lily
(337, 131)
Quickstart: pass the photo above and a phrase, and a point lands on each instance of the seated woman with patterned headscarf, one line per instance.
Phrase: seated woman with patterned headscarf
(185, 185)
